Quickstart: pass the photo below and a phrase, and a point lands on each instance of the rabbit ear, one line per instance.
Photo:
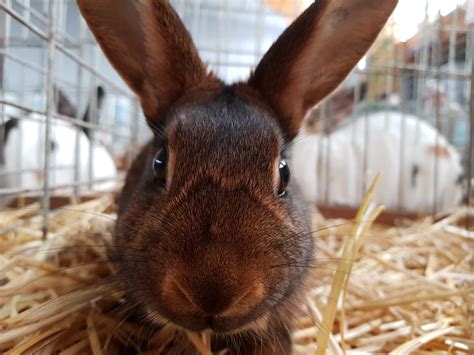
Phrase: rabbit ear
(314, 55)
(149, 46)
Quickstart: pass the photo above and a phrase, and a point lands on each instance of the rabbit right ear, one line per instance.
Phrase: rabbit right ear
(149, 46)
(315, 54)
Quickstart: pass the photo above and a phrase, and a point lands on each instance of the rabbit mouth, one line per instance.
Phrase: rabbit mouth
(217, 325)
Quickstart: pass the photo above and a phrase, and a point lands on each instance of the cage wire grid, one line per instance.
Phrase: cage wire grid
(47, 51)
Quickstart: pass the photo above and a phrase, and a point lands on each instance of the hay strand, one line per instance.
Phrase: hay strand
(364, 220)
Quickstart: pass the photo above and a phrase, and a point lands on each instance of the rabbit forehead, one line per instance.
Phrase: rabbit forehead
(227, 135)
(225, 117)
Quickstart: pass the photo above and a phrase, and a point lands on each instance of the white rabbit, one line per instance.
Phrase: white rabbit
(23, 155)
(31, 155)
(336, 168)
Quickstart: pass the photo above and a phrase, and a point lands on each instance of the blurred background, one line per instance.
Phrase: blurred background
(69, 126)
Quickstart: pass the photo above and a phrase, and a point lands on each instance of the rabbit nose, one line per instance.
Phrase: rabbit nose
(213, 298)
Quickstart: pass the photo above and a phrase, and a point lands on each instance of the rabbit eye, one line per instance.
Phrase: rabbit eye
(159, 164)
(284, 178)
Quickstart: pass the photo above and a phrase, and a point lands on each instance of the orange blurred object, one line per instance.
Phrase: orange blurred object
(288, 8)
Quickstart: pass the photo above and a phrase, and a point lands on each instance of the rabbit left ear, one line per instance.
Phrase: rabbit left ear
(314, 55)
(149, 47)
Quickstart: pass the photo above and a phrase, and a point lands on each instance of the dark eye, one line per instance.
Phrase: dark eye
(160, 161)
(284, 177)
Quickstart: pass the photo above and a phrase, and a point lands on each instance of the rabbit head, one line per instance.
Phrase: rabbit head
(211, 231)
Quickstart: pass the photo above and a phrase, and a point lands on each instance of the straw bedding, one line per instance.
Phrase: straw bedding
(410, 290)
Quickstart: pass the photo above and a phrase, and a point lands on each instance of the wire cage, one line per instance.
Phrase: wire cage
(405, 111)
(69, 126)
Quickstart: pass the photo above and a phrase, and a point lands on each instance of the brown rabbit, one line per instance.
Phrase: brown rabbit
(211, 232)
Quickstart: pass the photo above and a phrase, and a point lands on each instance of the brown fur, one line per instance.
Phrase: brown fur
(135, 39)
(216, 246)
(316, 53)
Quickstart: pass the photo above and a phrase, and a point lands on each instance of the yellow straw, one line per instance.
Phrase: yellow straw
(351, 247)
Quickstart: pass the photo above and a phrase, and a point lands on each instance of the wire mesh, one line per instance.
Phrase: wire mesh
(51, 70)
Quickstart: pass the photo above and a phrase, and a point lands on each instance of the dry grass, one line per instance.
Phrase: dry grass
(409, 291)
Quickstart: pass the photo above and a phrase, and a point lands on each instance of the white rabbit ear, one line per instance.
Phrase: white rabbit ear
(149, 47)
(314, 55)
